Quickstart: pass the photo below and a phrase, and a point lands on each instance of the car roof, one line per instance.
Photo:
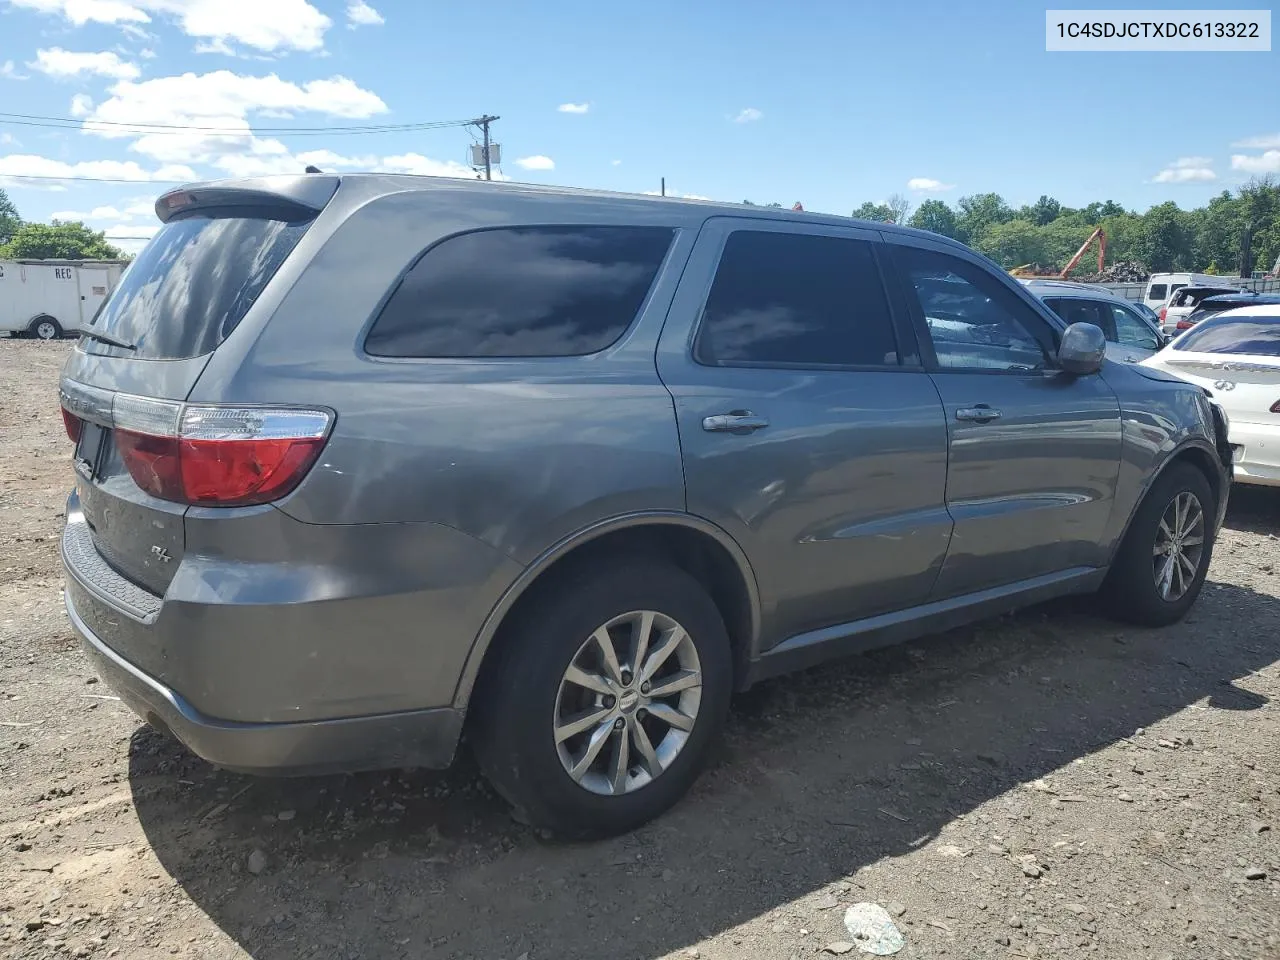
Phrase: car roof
(1266, 311)
(390, 183)
(1246, 299)
(1066, 288)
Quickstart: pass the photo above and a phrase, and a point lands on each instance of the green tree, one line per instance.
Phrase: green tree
(1045, 210)
(979, 211)
(1101, 211)
(1259, 204)
(1013, 243)
(1168, 239)
(879, 212)
(9, 219)
(62, 241)
(935, 216)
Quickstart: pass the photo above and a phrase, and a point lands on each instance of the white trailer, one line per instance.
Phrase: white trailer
(53, 298)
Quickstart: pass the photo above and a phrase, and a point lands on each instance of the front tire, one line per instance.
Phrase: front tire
(46, 328)
(1160, 568)
(607, 696)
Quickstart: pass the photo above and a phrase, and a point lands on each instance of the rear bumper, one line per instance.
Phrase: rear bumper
(1255, 449)
(420, 738)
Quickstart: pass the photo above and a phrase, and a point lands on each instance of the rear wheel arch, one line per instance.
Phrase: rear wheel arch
(694, 545)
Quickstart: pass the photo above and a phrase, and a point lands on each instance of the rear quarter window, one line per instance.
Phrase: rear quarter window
(548, 291)
(192, 284)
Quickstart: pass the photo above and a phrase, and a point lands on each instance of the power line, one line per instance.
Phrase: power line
(41, 176)
(72, 123)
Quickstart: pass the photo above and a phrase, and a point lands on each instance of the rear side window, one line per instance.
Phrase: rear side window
(1158, 291)
(1258, 336)
(191, 285)
(550, 291)
(788, 298)
(1075, 310)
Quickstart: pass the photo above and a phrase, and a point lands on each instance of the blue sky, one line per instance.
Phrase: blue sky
(829, 103)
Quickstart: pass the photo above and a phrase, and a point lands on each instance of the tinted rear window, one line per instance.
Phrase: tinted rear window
(1158, 291)
(521, 292)
(1259, 336)
(192, 284)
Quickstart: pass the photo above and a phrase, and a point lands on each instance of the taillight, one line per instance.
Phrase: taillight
(1275, 407)
(1164, 312)
(73, 425)
(1184, 325)
(214, 455)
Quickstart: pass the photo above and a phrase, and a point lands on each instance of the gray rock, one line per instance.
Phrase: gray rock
(1032, 871)
(1255, 873)
(826, 902)
(839, 948)
(257, 862)
(1016, 922)
(895, 908)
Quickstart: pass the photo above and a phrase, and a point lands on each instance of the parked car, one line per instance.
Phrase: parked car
(1236, 355)
(1131, 337)
(1183, 303)
(1162, 286)
(362, 460)
(1211, 306)
(1152, 317)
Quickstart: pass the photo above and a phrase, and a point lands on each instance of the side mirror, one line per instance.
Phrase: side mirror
(1083, 347)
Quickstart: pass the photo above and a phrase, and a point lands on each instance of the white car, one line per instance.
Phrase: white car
(1236, 356)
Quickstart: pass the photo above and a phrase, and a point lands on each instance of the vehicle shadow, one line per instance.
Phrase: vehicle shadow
(821, 774)
(1254, 509)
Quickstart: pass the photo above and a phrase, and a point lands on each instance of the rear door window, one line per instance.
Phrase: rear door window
(788, 299)
(1158, 291)
(191, 285)
(551, 291)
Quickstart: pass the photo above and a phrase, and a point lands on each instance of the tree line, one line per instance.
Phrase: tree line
(1235, 233)
(20, 240)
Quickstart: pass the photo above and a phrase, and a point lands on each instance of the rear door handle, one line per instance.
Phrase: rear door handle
(979, 414)
(736, 421)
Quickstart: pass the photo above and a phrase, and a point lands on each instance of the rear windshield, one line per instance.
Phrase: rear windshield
(1259, 336)
(1158, 291)
(193, 283)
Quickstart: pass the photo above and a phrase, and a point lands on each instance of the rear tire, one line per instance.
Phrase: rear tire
(1160, 567)
(589, 784)
(45, 328)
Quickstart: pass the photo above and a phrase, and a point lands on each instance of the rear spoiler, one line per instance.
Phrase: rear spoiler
(298, 196)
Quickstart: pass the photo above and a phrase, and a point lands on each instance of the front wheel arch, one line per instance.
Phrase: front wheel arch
(1202, 459)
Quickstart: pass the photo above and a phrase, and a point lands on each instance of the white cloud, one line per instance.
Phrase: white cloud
(418, 164)
(222, 102)
(147, 54)
(537, 162)
(1270, 141)
(266, 25)
(748, 115)
(928, 185)
(1187, 170)
(60, 63)
(616, 163)
(360, 14)
(217, 46)
(574, 107)
(81, 105)
(10, 72)
(29, 165)
(1268, 162)
(675, 194)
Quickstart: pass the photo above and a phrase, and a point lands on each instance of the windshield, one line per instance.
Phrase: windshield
(190, 286)
(1255, 336)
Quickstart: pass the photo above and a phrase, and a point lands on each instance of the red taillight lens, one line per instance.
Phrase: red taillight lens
(1164, 312)
(73, 425)
(1183, 325)
(220, 456)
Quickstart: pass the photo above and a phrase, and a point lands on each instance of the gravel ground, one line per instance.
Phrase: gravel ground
(1045, 785)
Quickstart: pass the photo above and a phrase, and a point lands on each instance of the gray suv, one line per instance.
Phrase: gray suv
(367, 462)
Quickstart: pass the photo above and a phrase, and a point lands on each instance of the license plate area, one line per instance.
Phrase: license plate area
(88, 455)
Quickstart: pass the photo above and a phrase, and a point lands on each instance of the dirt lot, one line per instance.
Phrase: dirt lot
(1044, 785)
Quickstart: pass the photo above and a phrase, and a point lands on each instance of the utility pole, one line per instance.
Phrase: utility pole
(664, 186)
(483, 124)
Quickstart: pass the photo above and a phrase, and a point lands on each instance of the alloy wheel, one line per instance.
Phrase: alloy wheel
(1179, 546)
(627, 703)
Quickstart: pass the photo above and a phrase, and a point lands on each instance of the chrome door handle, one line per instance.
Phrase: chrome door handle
(1130, 359)
(737, 421)
(979, 414)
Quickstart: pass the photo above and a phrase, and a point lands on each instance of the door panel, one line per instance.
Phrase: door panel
(93, 290)
(1034, 452)
(835, 485)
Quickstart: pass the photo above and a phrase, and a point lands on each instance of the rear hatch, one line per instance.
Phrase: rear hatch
(139, 463)
(1237, 359)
